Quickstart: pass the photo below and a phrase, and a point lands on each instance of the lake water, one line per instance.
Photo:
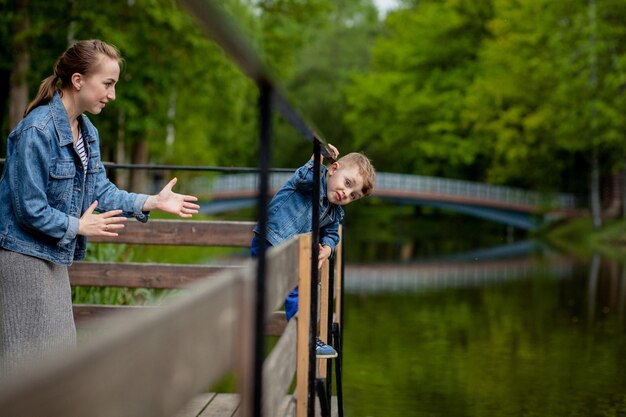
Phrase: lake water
(544, 337)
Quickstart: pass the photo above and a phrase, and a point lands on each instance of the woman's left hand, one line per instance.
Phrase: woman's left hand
(171, 202)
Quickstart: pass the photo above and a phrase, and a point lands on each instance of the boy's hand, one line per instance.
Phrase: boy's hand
(334, 153)
(324, 253)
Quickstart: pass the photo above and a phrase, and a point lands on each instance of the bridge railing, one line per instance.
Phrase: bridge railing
(406, 183)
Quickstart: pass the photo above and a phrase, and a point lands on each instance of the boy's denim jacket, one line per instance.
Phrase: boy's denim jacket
(44, 189)
(290, 211)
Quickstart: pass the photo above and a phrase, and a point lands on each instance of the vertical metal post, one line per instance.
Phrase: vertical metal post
(339, 330)
(324, 402)
(341, 289)
(329, 333)
(265, 124)
(338, 364)
(314, 276)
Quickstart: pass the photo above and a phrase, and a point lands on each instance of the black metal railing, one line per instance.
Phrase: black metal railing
(220, 27)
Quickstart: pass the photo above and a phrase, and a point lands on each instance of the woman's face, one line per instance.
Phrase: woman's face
(98, 88)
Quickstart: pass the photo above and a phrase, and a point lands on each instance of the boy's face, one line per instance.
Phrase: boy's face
(344, 184)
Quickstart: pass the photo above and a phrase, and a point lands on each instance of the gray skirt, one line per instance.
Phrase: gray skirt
(36, 319)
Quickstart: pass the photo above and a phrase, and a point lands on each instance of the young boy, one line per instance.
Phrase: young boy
(289, 213)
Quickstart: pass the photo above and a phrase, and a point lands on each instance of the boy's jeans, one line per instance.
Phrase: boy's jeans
(291, 302)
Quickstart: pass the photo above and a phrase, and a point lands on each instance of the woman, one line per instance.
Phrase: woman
(53, 182)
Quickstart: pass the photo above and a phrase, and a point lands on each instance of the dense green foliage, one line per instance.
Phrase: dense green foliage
(491, 90)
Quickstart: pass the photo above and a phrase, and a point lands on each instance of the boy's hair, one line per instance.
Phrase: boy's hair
(366, 169)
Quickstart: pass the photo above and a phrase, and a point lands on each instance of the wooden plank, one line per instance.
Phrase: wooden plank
(287, 407)
(279, 369)
(85, 313)
(197, 404)
(88, 316)
(245, 335)
(276, 324)
(184, 232)
(223, 405)
(139, 275)
(303, 322)
(148, 365)
(282, 277)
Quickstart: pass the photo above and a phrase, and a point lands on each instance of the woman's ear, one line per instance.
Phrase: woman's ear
(77, 81)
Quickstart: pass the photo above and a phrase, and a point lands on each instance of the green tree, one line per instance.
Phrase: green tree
(505, 105)
(336, 48)
(406, 111)
(179, 100)
(547, 100)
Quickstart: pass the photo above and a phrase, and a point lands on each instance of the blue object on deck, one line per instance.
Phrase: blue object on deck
(291, 304)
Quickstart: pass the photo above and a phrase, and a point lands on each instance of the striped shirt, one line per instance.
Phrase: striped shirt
(80, 149)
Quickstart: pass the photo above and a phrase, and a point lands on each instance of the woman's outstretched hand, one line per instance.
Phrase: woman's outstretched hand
(171, 202)
(105, 224)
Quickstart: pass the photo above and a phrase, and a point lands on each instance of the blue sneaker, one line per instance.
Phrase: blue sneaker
(324, 351)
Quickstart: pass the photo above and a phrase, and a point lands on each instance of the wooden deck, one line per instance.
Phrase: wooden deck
(227, 405)
(158, 361)
(213, 404)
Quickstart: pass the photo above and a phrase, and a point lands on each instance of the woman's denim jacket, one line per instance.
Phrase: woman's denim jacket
(44, 189)
(290, 211)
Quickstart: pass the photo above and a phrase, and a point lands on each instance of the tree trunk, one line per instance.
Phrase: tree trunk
(18, 95)
(171, 117)
(621, 308)
(611, 195)
(594, 187)
(596, 209)
(624, 191)
(121, 175)
(617, 189)
(138, 176)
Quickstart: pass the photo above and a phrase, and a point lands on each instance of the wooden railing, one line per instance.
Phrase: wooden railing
(154, 361)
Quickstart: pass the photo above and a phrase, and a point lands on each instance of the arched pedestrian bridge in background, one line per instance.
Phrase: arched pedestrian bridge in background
(513, 206)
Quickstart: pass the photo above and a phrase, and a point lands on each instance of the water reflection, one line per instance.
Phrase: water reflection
(542, 336)
(474, 268)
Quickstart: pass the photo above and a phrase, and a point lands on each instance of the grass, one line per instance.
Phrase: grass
(577, 237)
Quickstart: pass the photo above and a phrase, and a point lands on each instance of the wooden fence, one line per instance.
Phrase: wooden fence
(156, 361)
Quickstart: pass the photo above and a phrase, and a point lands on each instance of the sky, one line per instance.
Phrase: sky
(385, 5)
